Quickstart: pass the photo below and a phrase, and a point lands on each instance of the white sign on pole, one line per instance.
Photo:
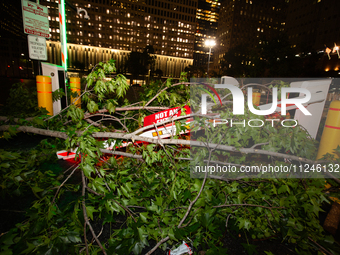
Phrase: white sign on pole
(35, 19)
(37, 47)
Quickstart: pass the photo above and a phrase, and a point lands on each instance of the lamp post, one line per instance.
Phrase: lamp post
(210, 44)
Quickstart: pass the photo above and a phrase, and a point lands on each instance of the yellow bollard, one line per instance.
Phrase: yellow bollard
(44, 89)
(75, 87)
(330, 138)
(256, 98)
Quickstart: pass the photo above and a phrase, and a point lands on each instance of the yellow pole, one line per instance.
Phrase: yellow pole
(256, 98)
(330, 138)
(75, 87)
(44, 89)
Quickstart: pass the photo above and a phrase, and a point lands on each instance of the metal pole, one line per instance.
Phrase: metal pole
(209, 60)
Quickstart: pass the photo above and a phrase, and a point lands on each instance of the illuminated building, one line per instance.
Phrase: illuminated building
(118, 27)
(206, 28)
(14, 61)
(248, 22)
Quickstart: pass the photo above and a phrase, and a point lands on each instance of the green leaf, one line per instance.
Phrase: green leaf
(193, 228)
(36, 189)
(172, 234)
(142, 235)
(88, 169)
(144, 217)
(137, 249)
(283, 188)
(90, 210)
(5, 165)
(251, 249)
(30, 247)
(187, 195)
(110, 107)
(329, 239)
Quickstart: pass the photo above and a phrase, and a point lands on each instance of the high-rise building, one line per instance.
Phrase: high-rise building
(115, 28)
(206, 28)
(313, 25)
(248, 22)
(14, 61)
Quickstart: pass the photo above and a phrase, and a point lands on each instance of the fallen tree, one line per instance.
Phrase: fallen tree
(146, 200)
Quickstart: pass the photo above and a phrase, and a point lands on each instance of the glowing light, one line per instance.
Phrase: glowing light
(63, 39)
(210, 43)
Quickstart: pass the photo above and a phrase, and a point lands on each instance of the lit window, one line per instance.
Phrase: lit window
(107, 11)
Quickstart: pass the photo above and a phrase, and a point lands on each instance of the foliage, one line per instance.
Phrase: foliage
(57, 94)
(22, 101)
(148, 196)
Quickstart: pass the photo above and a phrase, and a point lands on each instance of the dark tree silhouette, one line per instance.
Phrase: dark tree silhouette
(139, 63)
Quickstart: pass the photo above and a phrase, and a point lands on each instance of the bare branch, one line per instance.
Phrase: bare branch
(250, 205)
(321, 247)
(68, 177)
(86, 217)
(258, 144)
(157, 245)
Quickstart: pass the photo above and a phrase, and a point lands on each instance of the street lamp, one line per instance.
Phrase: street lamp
(210, 44)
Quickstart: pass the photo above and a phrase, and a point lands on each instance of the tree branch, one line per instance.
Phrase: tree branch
(134, 137)
(68, 177)
(85, 214)
(157, 245)
(250, 205)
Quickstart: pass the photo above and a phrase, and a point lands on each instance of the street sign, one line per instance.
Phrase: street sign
(35, 19)
(164, 115)
(37, 47)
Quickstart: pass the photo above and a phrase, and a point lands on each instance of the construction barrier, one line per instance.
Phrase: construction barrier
(256, 98)
(75, 87)
(330, 138)
(44, 89)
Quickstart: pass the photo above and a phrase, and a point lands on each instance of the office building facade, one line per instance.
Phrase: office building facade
(118, 27)
(206, 28)
(248, 22)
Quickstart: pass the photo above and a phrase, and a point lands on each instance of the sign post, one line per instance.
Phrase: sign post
(37, 47)
(35, 19)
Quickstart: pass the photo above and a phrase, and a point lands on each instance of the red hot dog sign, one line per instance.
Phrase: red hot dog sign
(164, 115)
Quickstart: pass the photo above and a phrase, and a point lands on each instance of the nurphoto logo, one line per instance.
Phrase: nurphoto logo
(238, 100)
